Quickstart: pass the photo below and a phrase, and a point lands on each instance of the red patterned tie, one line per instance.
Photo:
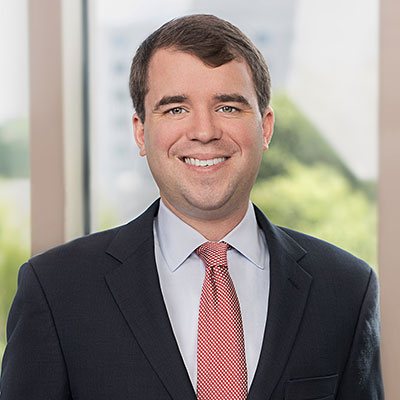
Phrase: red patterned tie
(221, 361)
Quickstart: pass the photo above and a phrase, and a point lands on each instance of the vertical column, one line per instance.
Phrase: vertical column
(46, 124)
(55, 121)
(389, 192)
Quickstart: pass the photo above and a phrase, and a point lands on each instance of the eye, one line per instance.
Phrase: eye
(176, 111)
(227, 109)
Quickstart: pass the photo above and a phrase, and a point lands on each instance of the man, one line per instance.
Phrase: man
(201, 296)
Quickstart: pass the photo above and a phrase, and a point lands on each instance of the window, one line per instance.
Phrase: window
(14, 153)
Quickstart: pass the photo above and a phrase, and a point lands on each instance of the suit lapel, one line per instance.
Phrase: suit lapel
(289, 288)
(136, 289)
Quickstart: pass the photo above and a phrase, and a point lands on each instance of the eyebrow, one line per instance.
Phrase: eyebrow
(170, 100)
(234, 97)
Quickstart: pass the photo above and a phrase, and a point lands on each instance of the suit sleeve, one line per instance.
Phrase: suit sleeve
(362, 378)
(33, 363)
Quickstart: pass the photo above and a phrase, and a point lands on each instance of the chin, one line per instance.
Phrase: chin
(208, 205)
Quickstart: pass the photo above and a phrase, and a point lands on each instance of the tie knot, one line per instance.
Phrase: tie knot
(213, 253)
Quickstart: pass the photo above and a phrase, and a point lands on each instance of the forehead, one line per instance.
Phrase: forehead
(172, 71)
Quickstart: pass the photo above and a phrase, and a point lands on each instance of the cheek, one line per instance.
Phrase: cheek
(161, 138)
(248, 138)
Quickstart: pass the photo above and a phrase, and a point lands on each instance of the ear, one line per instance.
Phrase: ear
(268, 126)
(138, 131)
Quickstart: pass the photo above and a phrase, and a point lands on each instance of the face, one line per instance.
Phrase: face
(203, 134)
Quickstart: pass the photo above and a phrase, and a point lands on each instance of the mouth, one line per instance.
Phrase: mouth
(204, 163)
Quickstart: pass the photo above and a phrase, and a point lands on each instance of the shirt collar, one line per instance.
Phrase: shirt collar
(248, 239)
(178, 240)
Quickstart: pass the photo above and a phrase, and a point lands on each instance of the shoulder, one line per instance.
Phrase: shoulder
(84, 246)
(321, 253)
(70, 264)
(94, 253)
(327, 264)
(336, 274)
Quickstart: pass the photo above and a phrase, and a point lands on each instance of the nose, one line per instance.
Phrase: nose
(203, 127)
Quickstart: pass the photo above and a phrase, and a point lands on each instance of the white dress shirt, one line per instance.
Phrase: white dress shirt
(181, 274)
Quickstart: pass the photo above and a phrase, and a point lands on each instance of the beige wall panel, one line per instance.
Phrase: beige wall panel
(389, 194)
(46, 124)
(55, 39)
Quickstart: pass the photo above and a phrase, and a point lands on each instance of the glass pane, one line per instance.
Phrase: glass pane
(319, 175)
(14, 153)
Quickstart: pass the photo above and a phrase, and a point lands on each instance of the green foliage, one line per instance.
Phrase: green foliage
(108, 217)
(14, 250)
(14, 149)
(296, 138)
(320, 201)
(14, 241)
(305, 186)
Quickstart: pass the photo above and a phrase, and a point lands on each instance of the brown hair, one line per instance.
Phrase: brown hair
(213, 40)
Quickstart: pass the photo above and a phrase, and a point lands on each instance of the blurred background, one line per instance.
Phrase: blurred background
(319, 175)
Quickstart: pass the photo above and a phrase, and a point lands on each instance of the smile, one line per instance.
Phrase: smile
(203, 163)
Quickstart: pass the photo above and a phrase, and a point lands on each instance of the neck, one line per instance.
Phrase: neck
(212, 227)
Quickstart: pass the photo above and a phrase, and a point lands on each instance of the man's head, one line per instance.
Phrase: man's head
(200, 119)
(212, 40)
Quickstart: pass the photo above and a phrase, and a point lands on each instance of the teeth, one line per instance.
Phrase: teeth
(203, 163)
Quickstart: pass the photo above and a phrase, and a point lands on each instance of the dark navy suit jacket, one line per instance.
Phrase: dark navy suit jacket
(89, 322)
